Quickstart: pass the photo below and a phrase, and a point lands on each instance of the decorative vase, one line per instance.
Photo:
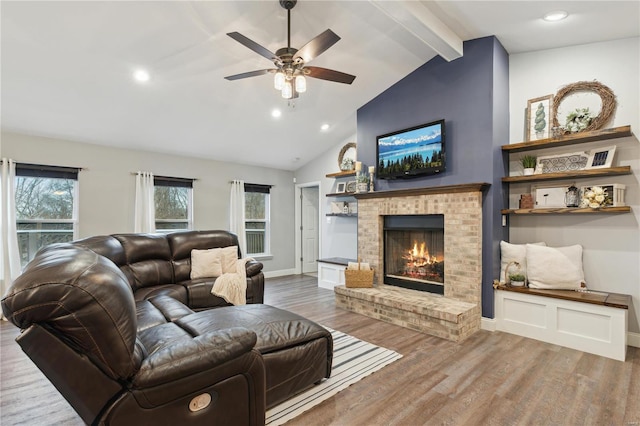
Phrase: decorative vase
(362, 187)
(528, 171)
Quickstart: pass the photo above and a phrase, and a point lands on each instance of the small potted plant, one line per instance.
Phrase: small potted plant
(529, 164)
(362, 182)
(516, 280)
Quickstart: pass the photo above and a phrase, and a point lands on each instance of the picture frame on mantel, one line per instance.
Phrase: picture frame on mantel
(539, 117)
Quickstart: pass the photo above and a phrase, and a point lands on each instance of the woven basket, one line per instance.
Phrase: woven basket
(357, 278)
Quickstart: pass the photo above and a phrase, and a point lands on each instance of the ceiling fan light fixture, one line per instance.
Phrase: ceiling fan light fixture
(278, 80)
(287, 90)
(290, 70)
(301, 84)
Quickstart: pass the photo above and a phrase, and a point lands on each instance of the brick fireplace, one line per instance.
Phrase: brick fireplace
(454, 315)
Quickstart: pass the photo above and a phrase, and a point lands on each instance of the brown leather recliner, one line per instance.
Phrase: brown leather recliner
(118, 362)
(106, 320)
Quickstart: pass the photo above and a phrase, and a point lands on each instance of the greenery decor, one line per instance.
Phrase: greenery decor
(362, 178)
(540, 122)
(528, 161)
(516, 277)
(605, 93)
(578, 120)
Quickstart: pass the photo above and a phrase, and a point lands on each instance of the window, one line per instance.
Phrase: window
(46, 207)
(174, 204)
(256, 218)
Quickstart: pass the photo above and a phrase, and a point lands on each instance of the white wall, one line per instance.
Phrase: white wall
(107, 187)
(338, 234)
(611, 242)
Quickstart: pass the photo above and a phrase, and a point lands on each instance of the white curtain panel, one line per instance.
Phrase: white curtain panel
(10, 267)
(236, 213)
(145, 209)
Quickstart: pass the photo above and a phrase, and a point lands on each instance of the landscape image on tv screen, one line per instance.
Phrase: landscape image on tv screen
(412, 152)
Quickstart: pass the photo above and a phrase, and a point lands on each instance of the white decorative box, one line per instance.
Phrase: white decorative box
(615, 193)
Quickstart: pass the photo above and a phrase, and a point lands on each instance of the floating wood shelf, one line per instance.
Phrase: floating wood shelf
(570, 210)
(343, 214)
(611, 171)
(570, 139)
(342, 174)
(341, 194)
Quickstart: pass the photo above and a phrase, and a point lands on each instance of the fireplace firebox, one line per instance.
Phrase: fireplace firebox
(414, 252)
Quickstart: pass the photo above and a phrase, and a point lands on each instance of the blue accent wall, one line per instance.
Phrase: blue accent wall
(472, 95)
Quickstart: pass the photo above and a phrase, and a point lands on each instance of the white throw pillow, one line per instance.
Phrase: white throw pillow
(513, 253)
(206, 263)
(558, 268)
(229, 259)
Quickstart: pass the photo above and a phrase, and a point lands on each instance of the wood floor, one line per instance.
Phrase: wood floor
(490, 379)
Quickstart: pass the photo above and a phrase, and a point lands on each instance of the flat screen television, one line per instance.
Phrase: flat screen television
(412, 152)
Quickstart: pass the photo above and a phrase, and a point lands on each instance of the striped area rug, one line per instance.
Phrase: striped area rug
(353, 359)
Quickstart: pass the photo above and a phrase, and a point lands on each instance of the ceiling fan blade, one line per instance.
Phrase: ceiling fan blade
(247, 42)
(331, 75)
(250, 74)
(315, 47)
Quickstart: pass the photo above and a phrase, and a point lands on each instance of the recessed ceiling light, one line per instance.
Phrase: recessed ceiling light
(556, 15)
(325, 126)
(276, 113)
(141, 75)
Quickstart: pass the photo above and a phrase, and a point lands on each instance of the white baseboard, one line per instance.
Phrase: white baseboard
(633, 339)
(280, 273)
(488, 324)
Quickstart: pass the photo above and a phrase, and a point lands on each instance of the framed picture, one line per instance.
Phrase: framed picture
(539, 115)
(549, 196)
(601, 158)
(562, 162)
(351, 186)
(340, 187)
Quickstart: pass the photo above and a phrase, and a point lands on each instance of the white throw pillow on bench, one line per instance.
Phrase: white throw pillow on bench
(558, 268)
(513, 253)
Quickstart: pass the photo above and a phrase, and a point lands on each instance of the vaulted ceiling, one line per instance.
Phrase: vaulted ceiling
(66, 66)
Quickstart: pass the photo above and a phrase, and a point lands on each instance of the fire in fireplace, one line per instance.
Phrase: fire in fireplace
(414, 252)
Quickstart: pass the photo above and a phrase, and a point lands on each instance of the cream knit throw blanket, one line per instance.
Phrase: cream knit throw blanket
(232, 287)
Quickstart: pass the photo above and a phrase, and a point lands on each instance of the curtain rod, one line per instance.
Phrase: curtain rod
(247, 183)
(43, 166)
(168, 177)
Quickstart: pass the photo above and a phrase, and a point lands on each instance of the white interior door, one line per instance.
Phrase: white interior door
(309, 199)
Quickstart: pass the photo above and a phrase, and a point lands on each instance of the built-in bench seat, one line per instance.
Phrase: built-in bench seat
(425, 312)
(590, 321)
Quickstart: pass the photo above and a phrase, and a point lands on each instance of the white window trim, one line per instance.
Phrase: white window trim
(267, 231)
(188, 220)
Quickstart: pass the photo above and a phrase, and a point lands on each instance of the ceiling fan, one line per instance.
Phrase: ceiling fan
(291, 68)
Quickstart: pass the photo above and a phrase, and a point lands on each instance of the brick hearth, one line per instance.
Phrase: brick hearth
(457, 314)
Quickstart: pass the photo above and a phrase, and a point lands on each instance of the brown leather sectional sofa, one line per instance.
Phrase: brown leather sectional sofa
(115, 323)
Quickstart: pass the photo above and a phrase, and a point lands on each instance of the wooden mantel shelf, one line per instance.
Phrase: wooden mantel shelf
(570, 210)
(446, 189)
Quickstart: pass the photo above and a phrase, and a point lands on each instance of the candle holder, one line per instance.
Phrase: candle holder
(370, 181)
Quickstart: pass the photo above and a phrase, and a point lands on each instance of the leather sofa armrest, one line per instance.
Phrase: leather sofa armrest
(253, 268)
(196, 356)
